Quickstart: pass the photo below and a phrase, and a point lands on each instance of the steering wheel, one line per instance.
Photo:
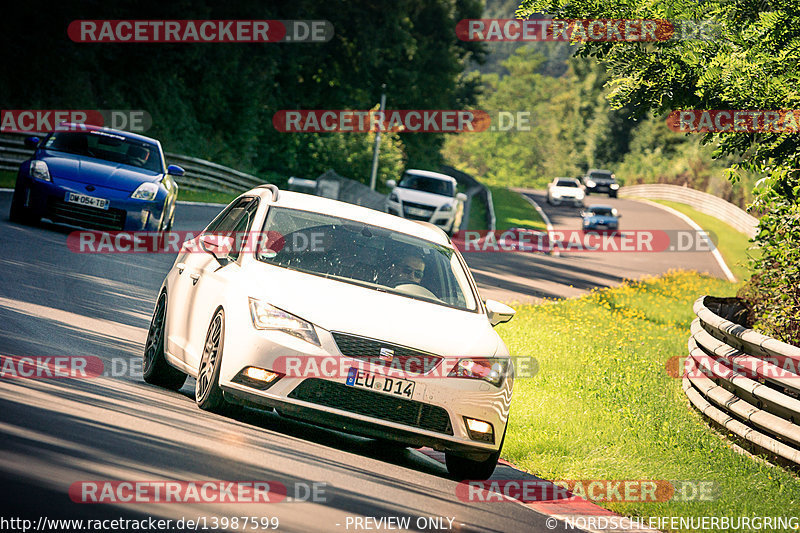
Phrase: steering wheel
(416, 290)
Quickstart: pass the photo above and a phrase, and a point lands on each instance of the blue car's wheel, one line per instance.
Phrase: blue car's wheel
(20, 214)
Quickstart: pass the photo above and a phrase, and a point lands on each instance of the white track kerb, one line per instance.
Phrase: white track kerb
(696, 227)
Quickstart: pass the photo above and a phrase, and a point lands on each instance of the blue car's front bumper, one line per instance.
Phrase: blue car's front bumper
(600, 224)
(47, 199)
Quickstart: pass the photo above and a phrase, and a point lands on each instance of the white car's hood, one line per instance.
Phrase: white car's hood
(421, 197)
(567, 191)
(349, 308)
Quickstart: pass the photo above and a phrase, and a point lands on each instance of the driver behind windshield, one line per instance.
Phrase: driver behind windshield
(406, 268)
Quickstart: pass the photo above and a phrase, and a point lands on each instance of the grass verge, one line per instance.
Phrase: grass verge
(732, 244)
(512, 210)
(191, 195)
(602, 405)
(8, 179)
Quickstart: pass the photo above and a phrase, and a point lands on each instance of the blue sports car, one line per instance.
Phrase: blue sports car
(597, 217)
(96, 178)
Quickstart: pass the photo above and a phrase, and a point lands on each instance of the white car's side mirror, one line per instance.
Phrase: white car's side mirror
(391, 184)
(498, 312)
(461, 197)
(217, 245)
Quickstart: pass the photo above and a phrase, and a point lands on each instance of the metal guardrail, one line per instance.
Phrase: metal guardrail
(475, 190)
(744, 381)
(200, 174)
(701, 201)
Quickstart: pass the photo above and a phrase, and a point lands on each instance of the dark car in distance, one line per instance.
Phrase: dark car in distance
(601, 181)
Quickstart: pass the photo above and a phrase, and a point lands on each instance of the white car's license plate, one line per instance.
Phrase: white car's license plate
(416, 211)
(384, 384)
(91, 201)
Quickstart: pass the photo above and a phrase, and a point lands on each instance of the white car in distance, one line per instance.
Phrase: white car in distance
(426, 196)
(565, 190)
(372, 293)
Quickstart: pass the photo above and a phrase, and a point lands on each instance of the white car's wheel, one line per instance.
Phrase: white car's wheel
(207, 392)
(155, 368)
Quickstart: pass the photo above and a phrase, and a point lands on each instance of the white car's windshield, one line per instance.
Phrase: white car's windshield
(366, 255)
(426, 184)
(566, 183)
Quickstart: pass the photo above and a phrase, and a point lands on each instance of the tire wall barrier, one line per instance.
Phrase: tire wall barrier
(744, 381)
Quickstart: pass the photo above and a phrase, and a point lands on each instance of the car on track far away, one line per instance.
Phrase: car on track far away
(600, 217)
(280, 280)
(96, 178)
(601, 181)
(565, 190)
(427, 196)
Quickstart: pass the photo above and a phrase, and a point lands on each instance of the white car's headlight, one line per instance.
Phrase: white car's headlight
(555, 194)
(492, 369)
(580, 194)
(39, 170)
(266, 316)
(393, 197)
(615, 186)
(446, 207)
(145, 191)
(590, 183)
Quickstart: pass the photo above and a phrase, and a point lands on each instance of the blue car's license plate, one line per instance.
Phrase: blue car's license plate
(83, 199)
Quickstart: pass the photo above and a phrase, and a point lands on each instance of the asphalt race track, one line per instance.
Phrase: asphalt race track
(528, 277)
(56, 432)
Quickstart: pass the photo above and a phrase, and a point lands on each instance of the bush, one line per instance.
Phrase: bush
(774, 291)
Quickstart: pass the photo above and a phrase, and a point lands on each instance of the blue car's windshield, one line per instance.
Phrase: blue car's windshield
(108, 147)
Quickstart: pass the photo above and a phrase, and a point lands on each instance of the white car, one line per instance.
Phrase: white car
(388, 304)
(565, 190)
(426, 196)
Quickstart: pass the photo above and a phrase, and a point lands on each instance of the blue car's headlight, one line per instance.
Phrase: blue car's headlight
(39, 170)
(145, 191)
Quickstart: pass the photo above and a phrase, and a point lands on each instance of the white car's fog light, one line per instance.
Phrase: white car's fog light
(258, 378)
(266, 316)
(479, 430)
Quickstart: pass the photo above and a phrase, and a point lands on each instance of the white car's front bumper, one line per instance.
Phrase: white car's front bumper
(426, 213)
(433, 415)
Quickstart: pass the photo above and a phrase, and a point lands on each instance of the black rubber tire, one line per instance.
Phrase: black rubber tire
(461, 468)
(207, 392)
(19, 214)
(155, 368)
(612, 195)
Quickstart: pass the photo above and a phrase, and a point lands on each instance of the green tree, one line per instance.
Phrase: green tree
(749, 62)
